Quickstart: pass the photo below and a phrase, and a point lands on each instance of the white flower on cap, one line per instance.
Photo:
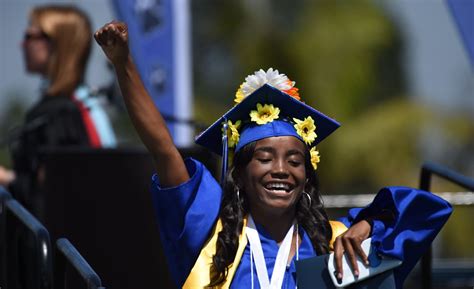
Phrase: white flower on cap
(259, 78)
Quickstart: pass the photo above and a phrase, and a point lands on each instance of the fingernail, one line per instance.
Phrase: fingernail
(339, 277)
(367, 262)
(356, 273)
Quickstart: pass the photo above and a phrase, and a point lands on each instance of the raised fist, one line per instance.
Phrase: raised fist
(113, 38)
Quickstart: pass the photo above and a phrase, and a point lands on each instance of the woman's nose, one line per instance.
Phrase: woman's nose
(279, 169)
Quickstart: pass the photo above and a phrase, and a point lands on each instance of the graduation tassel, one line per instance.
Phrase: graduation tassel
(225, 150)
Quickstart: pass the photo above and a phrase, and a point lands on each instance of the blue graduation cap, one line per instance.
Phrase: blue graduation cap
(267, 111)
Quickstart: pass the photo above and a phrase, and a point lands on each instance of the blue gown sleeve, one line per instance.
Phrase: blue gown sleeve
(419, 216)
(186, 214)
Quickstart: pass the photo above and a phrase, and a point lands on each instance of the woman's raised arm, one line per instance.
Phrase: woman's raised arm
(113, 39)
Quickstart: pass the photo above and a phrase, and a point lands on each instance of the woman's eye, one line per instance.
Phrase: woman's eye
(264, 160)
(295, 163)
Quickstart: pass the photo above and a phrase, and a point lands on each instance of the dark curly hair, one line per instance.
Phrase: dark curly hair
(233, 209)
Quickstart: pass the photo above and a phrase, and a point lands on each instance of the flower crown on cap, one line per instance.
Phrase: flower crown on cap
(267, 113)
(271, 77)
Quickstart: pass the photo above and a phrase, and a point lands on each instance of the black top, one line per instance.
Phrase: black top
(52, 122)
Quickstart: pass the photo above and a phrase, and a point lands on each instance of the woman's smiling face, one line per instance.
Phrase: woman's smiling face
(275, 176)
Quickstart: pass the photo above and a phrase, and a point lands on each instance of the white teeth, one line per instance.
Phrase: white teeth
(278, 186)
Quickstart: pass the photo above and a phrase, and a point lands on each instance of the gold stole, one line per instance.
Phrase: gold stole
(200, 275)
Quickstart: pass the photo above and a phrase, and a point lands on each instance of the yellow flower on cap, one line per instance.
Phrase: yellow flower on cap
(233, 133)
(264, 114)
(239, 95)
(315, 158)
(306, 129)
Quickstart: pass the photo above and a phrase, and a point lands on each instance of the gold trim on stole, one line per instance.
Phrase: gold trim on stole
(337, 229)
(200, 275)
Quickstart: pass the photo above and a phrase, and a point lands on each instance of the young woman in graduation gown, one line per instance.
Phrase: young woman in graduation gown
(268, 213)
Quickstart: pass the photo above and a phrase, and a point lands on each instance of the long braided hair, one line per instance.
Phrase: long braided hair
(234, 206)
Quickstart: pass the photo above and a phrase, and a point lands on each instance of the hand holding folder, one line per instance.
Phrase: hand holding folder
(318, 272)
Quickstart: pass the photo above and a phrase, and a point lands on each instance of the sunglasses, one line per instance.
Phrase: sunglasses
(35, 36)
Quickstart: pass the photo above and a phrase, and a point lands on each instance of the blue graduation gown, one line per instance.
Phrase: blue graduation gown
(187, 213)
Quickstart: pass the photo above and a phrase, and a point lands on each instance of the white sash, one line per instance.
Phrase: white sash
(257, 253)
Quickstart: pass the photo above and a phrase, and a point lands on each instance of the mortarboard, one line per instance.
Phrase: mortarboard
(267, 105)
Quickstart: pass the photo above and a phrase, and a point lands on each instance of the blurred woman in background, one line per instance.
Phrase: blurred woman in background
(56, 46)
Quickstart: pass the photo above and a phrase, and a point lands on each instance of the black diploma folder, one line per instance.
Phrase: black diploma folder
(312, 273)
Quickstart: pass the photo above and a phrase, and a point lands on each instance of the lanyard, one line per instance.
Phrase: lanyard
(257, 253)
